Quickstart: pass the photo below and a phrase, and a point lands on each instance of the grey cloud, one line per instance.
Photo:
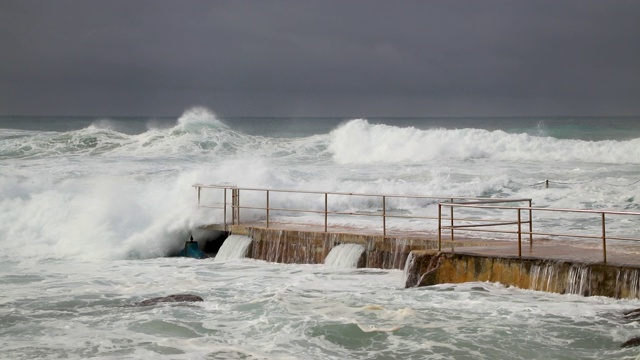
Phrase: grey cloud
(408, 58)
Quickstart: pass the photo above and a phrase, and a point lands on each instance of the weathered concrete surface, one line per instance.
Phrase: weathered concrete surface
(312, 247)
(545, 266)
(430, 267)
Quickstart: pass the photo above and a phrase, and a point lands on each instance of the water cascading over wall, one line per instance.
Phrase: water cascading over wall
(345, 256)
(398, 255)
(426, 268)
(289, 247)
(310, 247)
(234, 247)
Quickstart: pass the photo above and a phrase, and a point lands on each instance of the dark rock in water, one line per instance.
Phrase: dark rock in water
(632, 314)
(634, 341)
(171, 299)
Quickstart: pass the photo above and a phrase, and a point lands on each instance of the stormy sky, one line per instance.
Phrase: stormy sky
(320, 58)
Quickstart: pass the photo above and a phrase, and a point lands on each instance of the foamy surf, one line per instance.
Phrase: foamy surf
(91, 207)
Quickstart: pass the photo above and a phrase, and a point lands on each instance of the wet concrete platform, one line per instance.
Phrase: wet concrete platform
(618, 253)
(561, 266)
(561, 251)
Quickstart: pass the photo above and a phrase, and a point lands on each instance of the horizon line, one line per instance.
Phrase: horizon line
(333, 116)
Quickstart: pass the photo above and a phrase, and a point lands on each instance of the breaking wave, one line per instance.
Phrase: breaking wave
(359, 142)
(200, 133)
(98, 192)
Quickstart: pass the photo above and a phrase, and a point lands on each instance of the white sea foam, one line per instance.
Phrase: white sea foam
(359, 142)
(87, 215)
(100, 193)
(99, 217)
(198, 115)
(318, 313)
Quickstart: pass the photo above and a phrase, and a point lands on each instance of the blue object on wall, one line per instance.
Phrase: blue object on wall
(191, 250)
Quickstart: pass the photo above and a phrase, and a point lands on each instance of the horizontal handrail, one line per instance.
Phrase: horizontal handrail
(490, 201)
(497, 219)
(592, 211)
(531, 211)
(481, 225)
(359, 194)
(383, 212)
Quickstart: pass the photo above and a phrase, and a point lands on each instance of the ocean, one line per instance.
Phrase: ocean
(91, 208)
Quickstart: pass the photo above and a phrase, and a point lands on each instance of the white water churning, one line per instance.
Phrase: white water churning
(234, 247)
(344, 256)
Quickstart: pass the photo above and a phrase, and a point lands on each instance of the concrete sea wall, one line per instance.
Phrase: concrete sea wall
(425, 266)
(312, 247)
(430, 267)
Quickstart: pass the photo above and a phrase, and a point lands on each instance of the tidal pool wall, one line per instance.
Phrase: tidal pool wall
(312, 247)
(425, 266)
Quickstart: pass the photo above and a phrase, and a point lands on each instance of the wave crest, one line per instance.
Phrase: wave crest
(198, 115)
(359, 142)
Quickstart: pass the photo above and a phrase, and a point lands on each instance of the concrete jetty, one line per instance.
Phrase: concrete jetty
(552, 266)
(603, 261)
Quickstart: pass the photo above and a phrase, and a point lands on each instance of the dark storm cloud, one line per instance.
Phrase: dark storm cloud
(320, 57)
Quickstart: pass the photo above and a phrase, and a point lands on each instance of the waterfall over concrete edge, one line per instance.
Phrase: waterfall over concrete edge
(344, 256)
(234, 247)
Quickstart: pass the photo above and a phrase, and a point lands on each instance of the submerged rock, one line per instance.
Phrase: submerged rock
(634, 341)
(632, 314)
(171, 299)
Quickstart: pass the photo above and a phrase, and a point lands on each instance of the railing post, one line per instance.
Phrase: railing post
(451, 215)
(224, 209)
(439, 227)
(604, 240)
(384, 217)
(519, 235)
(530, 227)
(267, 209)
(235, 206)
(326, 210)
(199, 188)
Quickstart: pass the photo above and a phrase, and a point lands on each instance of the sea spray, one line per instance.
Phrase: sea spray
(101, 217)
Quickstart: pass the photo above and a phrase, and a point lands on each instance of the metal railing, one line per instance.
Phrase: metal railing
(234, 205)
(495, 216)
(475, 224)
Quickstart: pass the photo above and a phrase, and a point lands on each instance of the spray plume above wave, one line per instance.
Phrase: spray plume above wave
(197, 132)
